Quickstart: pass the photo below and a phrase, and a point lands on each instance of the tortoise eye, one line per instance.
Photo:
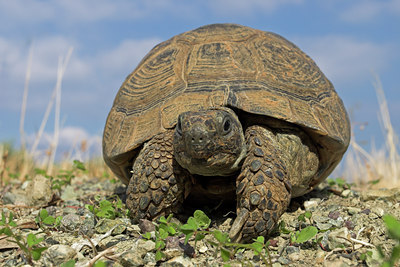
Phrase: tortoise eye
(227, 126)
(179, 126)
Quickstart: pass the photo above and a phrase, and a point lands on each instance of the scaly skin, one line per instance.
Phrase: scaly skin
(203, 154)
(262, 188)
(158, 183)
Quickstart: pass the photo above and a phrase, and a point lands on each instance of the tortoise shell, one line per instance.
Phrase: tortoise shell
(225, 65)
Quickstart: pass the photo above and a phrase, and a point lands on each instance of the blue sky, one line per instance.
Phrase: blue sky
(349, 40)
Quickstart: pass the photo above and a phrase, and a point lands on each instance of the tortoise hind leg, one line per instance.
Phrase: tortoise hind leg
(263, 187)
(157, 187)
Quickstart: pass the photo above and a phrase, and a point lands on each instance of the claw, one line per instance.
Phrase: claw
(235, 234)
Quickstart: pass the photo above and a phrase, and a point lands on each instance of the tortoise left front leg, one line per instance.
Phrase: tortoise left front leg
(276, 161)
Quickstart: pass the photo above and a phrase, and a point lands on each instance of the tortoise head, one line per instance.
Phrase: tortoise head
(210, 142)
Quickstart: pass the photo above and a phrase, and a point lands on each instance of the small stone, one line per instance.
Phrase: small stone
(58, 254)
(203, 249)
(71, 222)
(147, 245)
(353, 210)
(292, 249)
(338, 238)
(294, 257)
(334, 215)
(105, 225)
(346, 193)
(15, 198)
(378, 211)
(70, 193)
(179, 261)
(386, 194)
(366, 211)
(146, 226)
(38, 191)
(133, 257)
(311, 204)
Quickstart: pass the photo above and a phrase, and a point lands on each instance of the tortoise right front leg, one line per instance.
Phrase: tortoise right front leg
(276, 161)
(158, 184)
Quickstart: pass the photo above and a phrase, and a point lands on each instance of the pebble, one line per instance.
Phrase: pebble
(38, 191)
(146, 226)
(378, 211)
(133, 258)
(346, 193)
(179, 261)
(105, 225)
(335, 238)
(311, 204)
(292, 249)
(353, 210)
(58, 254)
(386, 194)
(203, 249)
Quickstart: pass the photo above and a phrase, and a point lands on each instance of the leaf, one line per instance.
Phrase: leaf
(79, 165)
(49, 220)
(190, 225)
(393, 226)
(225, 254)
(202, 219)
(162, 220)
(187, 237)
(3, 218)
(308, 214)
(37, 252)
(100, 263)
(260, 239)
(395, 254)
(32, 240)
(199, 237)
(70, 263)
(257, 247)
(10, 217)
(282, 228)
(147, 235)
(43, 214)
(306, 234)
(7, 231)
(221, 237)
(159, 255)
(160, 244)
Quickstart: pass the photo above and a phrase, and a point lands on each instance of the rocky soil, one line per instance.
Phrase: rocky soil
(349, 223)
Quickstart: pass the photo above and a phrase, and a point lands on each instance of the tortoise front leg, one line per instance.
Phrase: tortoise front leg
(157, 187)
(263, 188)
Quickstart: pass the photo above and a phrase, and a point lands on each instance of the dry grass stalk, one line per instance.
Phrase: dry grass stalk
(25, 97)
(381, 165)
(60, 73)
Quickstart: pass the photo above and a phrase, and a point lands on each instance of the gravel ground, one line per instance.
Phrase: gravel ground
(349, 223)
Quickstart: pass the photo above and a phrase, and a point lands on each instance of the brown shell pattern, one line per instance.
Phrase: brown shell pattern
(225, 65)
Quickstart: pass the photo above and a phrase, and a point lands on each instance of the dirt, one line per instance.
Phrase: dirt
(350, 227)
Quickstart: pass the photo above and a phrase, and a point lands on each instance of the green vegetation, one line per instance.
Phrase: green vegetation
(30, 245)
(108, 208)
(197, 228)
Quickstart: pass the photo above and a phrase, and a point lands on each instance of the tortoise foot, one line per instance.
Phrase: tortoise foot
(158, 183)
(262, 188)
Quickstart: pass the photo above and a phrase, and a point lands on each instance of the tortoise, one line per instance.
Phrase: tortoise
(224, 112)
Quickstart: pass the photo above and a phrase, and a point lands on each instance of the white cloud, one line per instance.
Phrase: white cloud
(125, 56)
(73, 142)
(344, 58)
(229, 7)
(362, 11)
